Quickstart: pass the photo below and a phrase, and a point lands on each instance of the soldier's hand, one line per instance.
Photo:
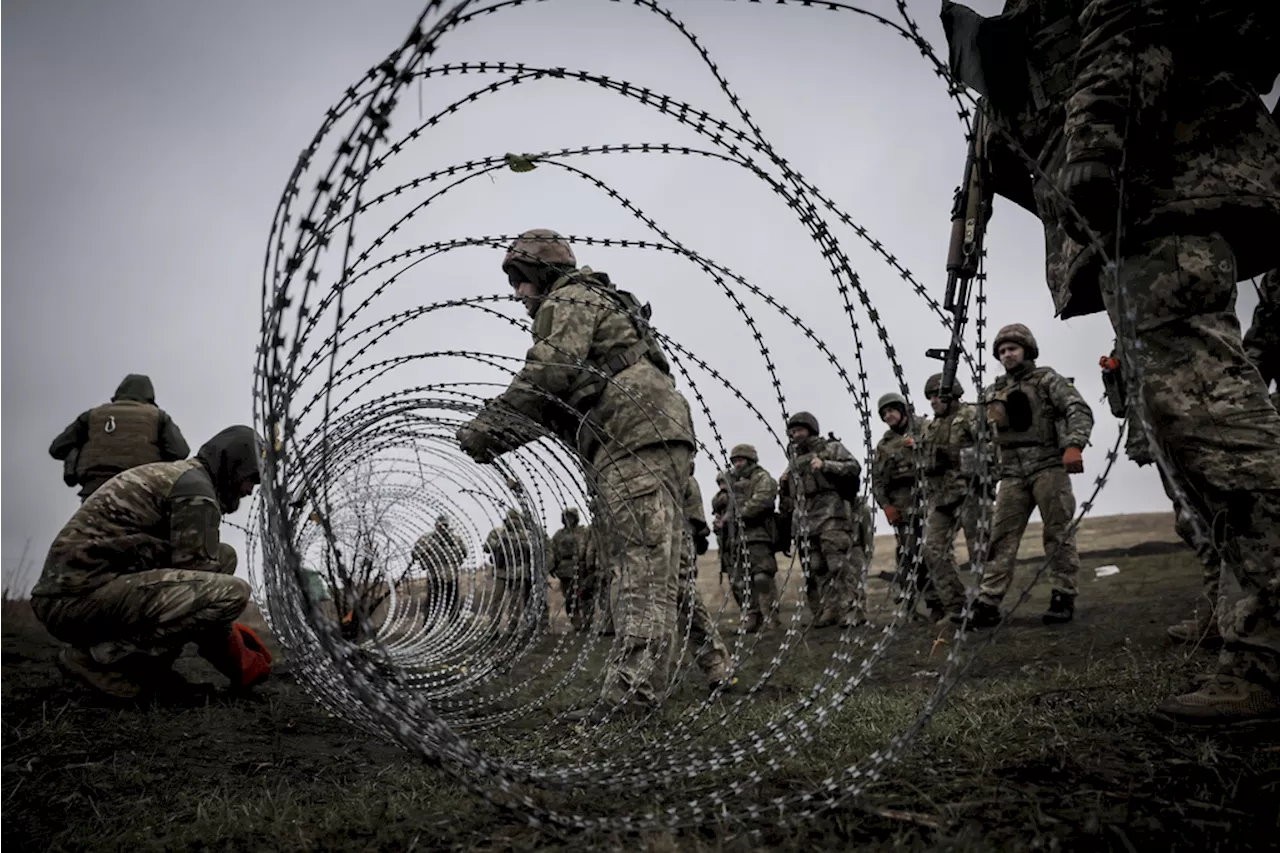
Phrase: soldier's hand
(1073, 460)
(816, 464)
(1091, 187)
(475, 443)
(700, 545)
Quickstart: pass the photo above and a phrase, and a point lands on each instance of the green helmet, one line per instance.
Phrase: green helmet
(569, 513)
(1016, 333)
(536, 249)
(891, 399)
(746, 451)
(805, 420)
(934, 385)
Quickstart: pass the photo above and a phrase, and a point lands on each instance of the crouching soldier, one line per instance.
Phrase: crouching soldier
(138, 572)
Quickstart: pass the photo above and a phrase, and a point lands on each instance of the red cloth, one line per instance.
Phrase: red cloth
(247, 652)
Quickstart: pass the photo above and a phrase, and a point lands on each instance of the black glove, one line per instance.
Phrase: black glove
(700, 544)
(1091, 186)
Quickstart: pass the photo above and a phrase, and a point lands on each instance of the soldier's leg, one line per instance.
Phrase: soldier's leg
(1057, 503)
(816, 574)
(709, 651)
(1014, 503)
(764, 585)
(852, 587)
(1210, 414)
(940, 556)
(645, 519)
(1202, 626)
(835, 544)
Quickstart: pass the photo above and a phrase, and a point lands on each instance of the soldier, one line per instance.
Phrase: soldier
(510, 547)
(709, 651)
(1042, 425)
(441, 554)
(597, 377)
(1201, 195)
(130, 430)
(893, 483)
(751, 521)
(950, 455)
(568, 555)
(819, 493)
(138, 572)
(719, 512)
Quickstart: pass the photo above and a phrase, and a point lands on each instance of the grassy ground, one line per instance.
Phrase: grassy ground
(1048, 745)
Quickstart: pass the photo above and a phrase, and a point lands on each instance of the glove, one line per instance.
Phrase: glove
(1073, 460)
(700, 545)
(891, 513)
(1090, 186)
(475, 443)
(240, 656)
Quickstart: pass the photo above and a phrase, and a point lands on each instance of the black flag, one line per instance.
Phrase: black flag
(987, 54)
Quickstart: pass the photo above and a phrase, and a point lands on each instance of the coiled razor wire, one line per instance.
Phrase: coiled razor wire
(416, 640)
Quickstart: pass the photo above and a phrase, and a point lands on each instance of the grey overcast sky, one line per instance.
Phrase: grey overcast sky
(149, 141)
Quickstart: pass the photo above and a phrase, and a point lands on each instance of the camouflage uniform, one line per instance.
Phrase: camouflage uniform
(1043, 416)
(138, 571)
(130, 430)
(596, 377)
(719, 511)
(950, 452)
(510, 546)
(441, 553)
(824, 522)
(1202, 194)
(568, 553)
(709, 650)
(752, 525)
(893, 480)
(1262, 340)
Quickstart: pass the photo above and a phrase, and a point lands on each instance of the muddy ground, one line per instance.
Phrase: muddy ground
(1048, 745)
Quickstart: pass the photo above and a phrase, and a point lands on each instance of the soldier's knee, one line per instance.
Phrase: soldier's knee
(762, 583)
(228, 560)
(227, 596)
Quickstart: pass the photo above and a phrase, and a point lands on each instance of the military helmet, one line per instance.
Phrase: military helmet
(569, 512)
(934, 385)
(513, 515)
(536, 247)
(805, 420)
(891, 399)
(746, 451)
(1016, 333)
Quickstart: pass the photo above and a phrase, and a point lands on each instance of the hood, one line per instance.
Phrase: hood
(138, 387)
(232, 457)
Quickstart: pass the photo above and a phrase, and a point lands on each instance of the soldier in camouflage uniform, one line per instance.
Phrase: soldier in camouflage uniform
(441, 554)
(1200, 212)
(709, 651)
(568, 556)
(752, 526)
(130, 430)
(719, 513)
(893, 483)
(819, 494)
(597, 378)
(1042, 425)
(510, 547)
(951, 466)
(138, 572)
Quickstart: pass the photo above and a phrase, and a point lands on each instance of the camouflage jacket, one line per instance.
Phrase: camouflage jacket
(949, 450)
(864, 532)
(163, 515)
(1201, 155)
(579, 325)
(1262, 341)
(893, 470)
(810, 497)
(441, 548)
(1046, 415)
(568, 551)
(695, 516)
(512, 550)
(753, 492)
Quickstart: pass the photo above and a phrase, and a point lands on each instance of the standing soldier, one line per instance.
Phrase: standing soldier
(568, 556)
(138, 572)
(819, 494)
(724, 545)
(893, 481)
(709, 651)
(441, 554)
(130, 430)
(510, 547)
(1042, 426)
(753, 528)
(597, 377)
(951, 465)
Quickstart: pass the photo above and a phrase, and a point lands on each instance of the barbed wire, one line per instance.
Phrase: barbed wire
(386, 625)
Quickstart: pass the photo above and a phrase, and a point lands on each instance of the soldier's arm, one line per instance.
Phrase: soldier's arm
(1123, 68)
(837, 461)
(70, 438)
(1079, 416)
(879, 484)
(173, 446)
(764, 492)
(194, 519)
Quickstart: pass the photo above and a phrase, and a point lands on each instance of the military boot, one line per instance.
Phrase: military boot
(1223, 700)
(1062, 608)
(751, 622)
(1197, 629)
(984, 616)
(118, 683)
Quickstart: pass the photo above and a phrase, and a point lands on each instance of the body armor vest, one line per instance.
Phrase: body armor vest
(1032, 419)
(122, 435)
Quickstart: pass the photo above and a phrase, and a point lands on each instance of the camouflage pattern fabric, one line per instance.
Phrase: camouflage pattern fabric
(709, 651)
(441, 553)
(597, 593)
(940, 530)
(1049, 490)
(954, 496)
(893, 468)
(1046, 415)
(752, 495)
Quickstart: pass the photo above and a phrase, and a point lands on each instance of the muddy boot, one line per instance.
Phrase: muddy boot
(1198, 629)
(984, 616)
(1062, 608)
(751, 622)
(118, 683)
(1223, 700)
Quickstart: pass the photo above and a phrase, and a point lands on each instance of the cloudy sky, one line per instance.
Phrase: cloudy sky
(149, 142)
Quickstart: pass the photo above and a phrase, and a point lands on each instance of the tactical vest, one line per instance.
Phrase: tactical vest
(813, 482)
(122, 435)
(1032, 420)
(898, 466)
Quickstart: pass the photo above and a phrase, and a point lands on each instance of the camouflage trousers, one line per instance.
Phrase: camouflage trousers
(909, 559)
(581, 594)
(154, 612)
(940, 549)
(643, 529)
(513, 598)
(709, 651)
(1048, 490)
(1213, 421)
(835, 577)
(753, 575)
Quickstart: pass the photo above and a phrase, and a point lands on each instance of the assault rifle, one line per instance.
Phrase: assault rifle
(970, 211)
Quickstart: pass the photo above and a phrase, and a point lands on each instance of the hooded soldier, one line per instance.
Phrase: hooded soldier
(893, 485)
(139, 571)
(130, 430)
